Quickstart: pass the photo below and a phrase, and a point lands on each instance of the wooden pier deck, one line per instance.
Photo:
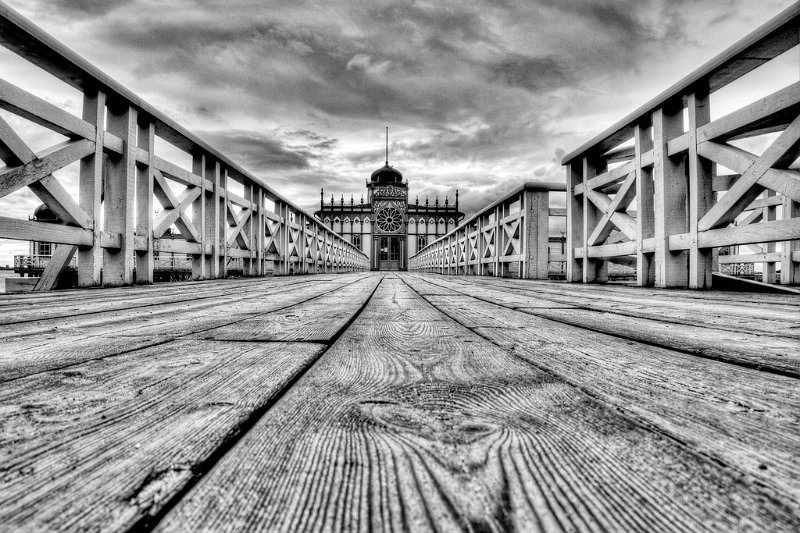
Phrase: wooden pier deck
(374, 401)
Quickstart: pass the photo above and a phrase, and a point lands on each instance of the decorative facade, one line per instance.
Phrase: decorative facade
(386, 227)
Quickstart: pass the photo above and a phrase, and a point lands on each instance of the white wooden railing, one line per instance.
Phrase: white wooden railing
(266, 231)
(507, 238)
(651, 189)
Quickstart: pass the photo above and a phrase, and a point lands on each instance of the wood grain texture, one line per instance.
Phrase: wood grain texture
(740, 416)
(313, 320)
(713, 335)
(765, 315)
(418, 424)
(113, 440)
(120, 323)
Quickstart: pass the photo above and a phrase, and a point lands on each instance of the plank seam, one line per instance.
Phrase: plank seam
(148, 523)
(768, 489)
(694, 353)
(179, 337)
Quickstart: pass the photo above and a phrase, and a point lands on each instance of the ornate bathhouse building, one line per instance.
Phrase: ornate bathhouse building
(387, 227)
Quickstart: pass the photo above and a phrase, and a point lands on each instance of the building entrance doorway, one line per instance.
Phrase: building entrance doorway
(389, 253)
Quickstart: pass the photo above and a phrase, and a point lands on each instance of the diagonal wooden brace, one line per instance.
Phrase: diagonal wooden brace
(782, 152)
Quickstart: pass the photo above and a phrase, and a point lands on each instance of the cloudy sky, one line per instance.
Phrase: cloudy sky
(479, 96)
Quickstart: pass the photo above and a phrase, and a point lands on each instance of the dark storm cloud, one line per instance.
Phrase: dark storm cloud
(87, 7)
(257, 152)
(334, 73)
(532, 73)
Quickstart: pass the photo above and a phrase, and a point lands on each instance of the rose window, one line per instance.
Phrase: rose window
(390, 219)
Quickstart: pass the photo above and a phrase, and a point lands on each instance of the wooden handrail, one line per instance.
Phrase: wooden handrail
(778, 35)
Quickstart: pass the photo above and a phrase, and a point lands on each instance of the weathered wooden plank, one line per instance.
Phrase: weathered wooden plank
(743, 417)
(423, 425)
(316, 319)
(112, 441)
(42, 345)
(772, 319)
(775, 354)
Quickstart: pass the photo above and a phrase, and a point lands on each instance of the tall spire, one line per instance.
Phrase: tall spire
(387, 146)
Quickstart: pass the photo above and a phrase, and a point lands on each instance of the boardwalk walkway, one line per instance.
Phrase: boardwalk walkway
(399, 401)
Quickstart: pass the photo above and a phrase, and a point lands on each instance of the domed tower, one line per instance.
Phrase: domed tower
(388, 196)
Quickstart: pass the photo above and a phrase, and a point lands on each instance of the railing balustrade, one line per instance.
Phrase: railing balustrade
(509, 238)
(111, 227)
(652, 190)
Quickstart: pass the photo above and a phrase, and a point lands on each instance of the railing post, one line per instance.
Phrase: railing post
(260, 236)
(790, 269)
(119, 187)
(670, 183)
(768, 215)
(498, 242)
(212, 216)
(144, 202)
(283, 237)
(575, 236)
(701, 194)
(90, 260)
(537, 232)
(199, 217)
(594, 270)
(222, 210)
(645, 224)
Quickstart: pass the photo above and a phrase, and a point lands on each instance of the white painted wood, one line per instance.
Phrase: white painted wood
(39, 111)
(144, 202)
(782, 151)
(58, 262)
(790, 249)
(45, 163)
(701, 195)
(24, 230)
(669, 206)
(199, 217)
(119, 196)
(645, 214)
(740, 120)
(765, 232)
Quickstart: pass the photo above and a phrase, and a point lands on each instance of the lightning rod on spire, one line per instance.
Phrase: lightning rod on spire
(387, 146)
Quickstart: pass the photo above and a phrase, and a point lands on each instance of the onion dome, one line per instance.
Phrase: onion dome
(44, 214)
(386, 174)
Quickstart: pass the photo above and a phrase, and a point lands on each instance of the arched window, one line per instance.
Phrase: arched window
(451, 224)
(327, 221)
(422, 242)
(357, 241)
(337, 225)
(346, 225)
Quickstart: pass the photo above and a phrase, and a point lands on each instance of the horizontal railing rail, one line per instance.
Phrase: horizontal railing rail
(121, 176)
(666, 188)
(510, 237)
